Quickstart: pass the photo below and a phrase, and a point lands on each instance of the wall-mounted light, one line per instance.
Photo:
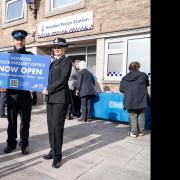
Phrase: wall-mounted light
(33, 9)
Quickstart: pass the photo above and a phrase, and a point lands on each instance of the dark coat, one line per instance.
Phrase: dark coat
(14, 96)
(59, 73)
(85, 83)
(134, 86)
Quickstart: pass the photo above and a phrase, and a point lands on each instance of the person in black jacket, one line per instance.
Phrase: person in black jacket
(18, 102)
(86, 90)
(134, 86)
(57, 97)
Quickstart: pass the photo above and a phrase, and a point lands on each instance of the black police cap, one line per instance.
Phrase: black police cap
(60, 42)
(19, 34)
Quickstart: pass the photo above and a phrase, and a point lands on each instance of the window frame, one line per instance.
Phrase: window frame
(70, 4)
(13, 22)
(118, 51)
(114, 51)
(6, 9)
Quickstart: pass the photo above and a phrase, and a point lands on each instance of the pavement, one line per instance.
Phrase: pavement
(97, 150)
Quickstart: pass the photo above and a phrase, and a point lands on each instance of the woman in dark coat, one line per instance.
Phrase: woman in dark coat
(134, 86)
(57, 98)
(85, 89)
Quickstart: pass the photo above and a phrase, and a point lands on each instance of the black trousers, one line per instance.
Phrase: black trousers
(3, 98)
(77, 105)
(56, 115)
(86, 107)
(71, 108)
(25, 114)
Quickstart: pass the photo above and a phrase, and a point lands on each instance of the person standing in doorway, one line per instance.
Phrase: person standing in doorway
(57, 98)
(18, 102)
(134, 86)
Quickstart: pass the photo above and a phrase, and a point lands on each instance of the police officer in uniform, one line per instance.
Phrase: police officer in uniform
(18, 102)
(57, 98)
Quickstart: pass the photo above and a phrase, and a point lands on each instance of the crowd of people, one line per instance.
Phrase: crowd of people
(68, 95)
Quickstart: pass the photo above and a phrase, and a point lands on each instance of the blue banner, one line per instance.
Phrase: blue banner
(24, 71)
(109, 106)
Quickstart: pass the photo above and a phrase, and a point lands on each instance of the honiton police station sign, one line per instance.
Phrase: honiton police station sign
(69, 24)
(24, 72)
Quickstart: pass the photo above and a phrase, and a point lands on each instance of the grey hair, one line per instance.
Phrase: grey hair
(82, 65)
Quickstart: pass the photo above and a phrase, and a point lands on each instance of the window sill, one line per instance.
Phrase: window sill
(14, 23)
(110, 81)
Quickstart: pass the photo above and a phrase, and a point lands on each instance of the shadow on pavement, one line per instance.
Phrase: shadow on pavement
(101, 134)
(38, 109)
(2, 129)
(16, 166)
(103, 131)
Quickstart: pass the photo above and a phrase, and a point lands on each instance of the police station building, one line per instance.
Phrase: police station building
(107, 34)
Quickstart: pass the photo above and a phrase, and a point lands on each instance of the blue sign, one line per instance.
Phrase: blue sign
(24, 71)
(109, 106)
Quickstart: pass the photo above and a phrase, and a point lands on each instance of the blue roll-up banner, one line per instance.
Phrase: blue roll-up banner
(24, 71)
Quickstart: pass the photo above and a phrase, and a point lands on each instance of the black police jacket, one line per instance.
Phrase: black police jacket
(59, 73)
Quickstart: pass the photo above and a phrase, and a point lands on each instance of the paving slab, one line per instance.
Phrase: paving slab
(97, 150)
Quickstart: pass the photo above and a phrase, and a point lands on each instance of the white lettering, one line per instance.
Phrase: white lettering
(8, 69)
(31, 71)
(20, 58)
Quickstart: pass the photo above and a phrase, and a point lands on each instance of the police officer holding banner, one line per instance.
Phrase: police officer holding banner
(18, 102)
(57, 98)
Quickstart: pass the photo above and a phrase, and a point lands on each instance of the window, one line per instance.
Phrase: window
(87, 53)
(14, 10)
(139, 50)
(91, 63)
(62, 3)
(54, 7)
(115, 59)
(115, 65)
(115, 45)
(120, 52)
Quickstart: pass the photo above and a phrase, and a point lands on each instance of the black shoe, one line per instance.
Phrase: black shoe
(3, 116)
(25, 150)
(69, 117)
(56, 163)
(9, 149)
(90, 119)
(78, 115)
(48, 156)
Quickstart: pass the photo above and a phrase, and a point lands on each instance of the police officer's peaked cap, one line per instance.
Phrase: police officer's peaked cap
(60, 42)
(19, 34)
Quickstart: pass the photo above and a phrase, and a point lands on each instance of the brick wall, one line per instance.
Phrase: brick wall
(109, 16)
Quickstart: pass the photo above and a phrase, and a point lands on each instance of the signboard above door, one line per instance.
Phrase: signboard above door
(69, 24)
